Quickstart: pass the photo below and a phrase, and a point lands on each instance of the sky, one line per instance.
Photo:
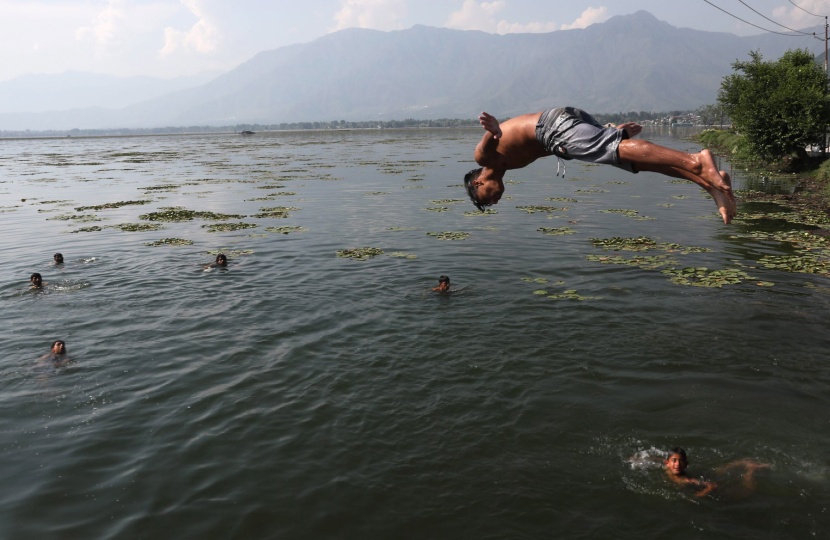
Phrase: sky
(169, 38)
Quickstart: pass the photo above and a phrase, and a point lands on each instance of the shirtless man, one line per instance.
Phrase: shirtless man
(571, 133)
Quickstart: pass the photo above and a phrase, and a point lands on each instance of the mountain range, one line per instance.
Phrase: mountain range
(628, 63)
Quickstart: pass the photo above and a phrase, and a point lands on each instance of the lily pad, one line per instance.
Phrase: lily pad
(226, 227)
(111, 205)
(555, 231)
(286, 229)
(175, 214)
(94, 228)
(450, 235)
(703, 277)
(279, 212)
(548, 209)
(138, 227)
(360, 254)
(169, 242)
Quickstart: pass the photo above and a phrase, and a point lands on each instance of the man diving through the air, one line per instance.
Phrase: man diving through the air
(571, 133)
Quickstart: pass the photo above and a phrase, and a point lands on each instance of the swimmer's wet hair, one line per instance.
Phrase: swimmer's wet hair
(680, 452)
(443, 279)
(35, 275)
(469, 178)
(58, 341)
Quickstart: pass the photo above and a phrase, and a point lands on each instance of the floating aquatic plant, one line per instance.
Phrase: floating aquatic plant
(627, 212)
(591, 191)
(279, 212)
(80, 218)
(169, 242)
(163, 187)
(111, 205)
(644, 243)
(360, 254)
(231, 252)
(445, 201)
(373, 193)
(653, 262)
(402, 228)
(450, 235)
(561, 199)
(174, 214)
(555, 231)
(703, 277)
(402, 255)
(94, 228)
(571, 294)
(437, 209)
(807, 263)
(138, 227)
(226, 227)
(476, 213)
(286, 229)
(532, 209)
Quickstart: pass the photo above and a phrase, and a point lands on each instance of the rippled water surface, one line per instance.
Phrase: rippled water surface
(298, 394)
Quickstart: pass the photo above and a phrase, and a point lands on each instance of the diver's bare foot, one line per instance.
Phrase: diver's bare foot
(731, 205)
(720, 185)
(709, 172)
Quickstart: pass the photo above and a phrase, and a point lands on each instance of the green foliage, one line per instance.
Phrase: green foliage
(823, 172)
(778, 107)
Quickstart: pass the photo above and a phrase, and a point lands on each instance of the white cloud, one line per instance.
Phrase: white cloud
(104, 28)
(375, 14)
(202, 37)
(587, 18)
(796, 18)
(476, 15)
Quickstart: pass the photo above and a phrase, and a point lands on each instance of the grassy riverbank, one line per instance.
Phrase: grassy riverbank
(813, 175)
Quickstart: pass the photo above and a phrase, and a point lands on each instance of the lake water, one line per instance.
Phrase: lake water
(298, 394)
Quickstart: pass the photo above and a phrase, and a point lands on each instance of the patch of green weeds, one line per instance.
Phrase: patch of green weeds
(111, 205)
(555, 231)
(360, 254)
(450, 235)
(169, 242)
(227, 227)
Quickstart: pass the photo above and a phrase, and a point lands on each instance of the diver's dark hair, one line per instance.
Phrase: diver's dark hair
(58, 341)
(58, 257)
(222, 257)
(443, 279)
(35, 275)
(469, 178)
(680, 452)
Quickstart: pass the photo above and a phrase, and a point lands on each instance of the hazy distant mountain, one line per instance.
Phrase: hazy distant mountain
(74, 90)
(631, 62)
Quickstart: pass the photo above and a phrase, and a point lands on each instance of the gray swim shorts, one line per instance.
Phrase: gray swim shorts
(571, 133)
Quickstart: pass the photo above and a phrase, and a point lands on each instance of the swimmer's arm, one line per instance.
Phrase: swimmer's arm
(631, 128)
(63, 362)
(487, 154)
(708, 487)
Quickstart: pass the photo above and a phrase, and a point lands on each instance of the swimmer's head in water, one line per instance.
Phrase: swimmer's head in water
(472, 190)
(444, 279)
(677, 462)
(58, 258)
(221, 259)
(36, 279)
(59, 347)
